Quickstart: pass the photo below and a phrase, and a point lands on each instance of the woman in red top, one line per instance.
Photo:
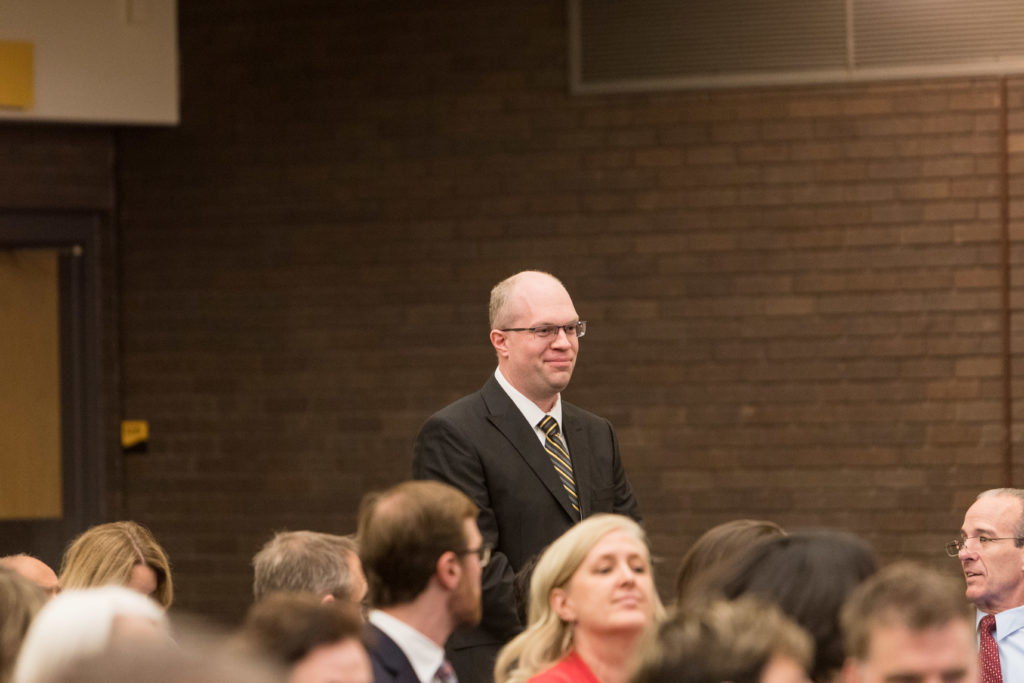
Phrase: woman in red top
(592, 599)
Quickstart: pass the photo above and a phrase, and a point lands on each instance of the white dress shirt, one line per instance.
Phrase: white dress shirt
(423, 653)
(529, 409)
(1009, 637)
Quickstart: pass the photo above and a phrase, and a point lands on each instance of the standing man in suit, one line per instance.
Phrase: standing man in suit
(532, 463)
(423, 555)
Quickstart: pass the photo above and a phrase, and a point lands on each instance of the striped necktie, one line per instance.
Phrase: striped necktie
(560, 459)
(988, 651)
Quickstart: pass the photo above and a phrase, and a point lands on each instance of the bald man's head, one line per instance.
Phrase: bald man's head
(34, 570)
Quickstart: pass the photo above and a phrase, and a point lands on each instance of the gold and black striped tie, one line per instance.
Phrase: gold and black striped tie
(560, 459)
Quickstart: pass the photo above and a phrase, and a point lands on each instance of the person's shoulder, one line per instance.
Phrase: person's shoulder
(387, 659)
(473, 403)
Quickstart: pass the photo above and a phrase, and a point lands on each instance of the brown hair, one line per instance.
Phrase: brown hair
(906, 594)
(402, 533)
(105, 554)
(723, 641)
(719, 545)
(288, 626)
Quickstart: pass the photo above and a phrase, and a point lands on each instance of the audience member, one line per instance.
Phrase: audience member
(122, 554)
(991, 552)
(35, 570)
(424, 556)
(318, 641)
(745, 640)
(312, 562)
(809, 575)
(532, 463)
(592, 598)
(720, 544)
(200, 653)
(80, 623)
(908, 623)
(20, 599)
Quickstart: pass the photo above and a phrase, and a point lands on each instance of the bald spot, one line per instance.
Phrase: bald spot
(36, 571)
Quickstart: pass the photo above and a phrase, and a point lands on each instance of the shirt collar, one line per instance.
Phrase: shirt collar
(1007, 621)
(528, 408)
(425, 656)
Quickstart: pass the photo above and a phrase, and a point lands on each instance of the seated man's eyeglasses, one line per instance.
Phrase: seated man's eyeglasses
(954, 547)
(577, 329)
(483, 552)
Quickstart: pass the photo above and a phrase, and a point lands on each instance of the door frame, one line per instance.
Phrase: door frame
(77, 236)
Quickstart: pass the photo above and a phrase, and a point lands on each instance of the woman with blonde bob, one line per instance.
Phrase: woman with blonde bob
(121, 554)
(592, 601)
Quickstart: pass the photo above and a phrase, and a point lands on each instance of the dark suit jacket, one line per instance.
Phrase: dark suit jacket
(390, 665)
(484, 446)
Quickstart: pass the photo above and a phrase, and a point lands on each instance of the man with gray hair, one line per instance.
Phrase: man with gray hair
(311, 562)
(991, 552)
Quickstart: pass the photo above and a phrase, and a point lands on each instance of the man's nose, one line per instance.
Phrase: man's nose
(561, 338)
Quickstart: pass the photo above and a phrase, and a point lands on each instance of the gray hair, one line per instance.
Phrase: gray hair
(1018, 530)
(304, 561)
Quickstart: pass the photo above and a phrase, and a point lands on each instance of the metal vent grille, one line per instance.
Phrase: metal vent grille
(664, 44)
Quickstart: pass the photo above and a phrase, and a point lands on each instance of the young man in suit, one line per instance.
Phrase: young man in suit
(532, 463)
(423, 555)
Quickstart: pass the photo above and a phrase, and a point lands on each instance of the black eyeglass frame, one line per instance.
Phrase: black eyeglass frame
(577, 329)
(483, 553)
(954, 547)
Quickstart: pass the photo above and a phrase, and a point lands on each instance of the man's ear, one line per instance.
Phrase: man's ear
(327, 598)
(448, 570)
(499, 340)
(562, 605)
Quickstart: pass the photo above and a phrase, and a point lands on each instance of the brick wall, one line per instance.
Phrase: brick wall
(795, 295)
(56, 172)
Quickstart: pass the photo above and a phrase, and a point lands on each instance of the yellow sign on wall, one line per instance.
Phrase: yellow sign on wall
(16, 74)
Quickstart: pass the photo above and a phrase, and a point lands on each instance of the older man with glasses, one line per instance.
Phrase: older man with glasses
(533, 463)
(991, 552)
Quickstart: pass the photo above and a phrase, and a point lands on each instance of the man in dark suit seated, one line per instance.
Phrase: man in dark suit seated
(533, 463)
(423, 556)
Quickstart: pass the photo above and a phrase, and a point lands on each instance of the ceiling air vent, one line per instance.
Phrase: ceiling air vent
(620, 46)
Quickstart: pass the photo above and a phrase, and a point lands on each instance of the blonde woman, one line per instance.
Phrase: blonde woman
(122, 554)
(592, 601)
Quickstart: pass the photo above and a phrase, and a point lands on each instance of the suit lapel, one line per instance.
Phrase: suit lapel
(388, 654)
(506, 418)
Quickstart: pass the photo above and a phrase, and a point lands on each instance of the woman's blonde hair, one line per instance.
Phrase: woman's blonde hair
(106, 553)
(547, 638)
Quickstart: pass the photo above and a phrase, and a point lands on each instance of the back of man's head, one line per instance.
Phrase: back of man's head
(905, 597)
(33, 569)
(305, 561)
(404, 530)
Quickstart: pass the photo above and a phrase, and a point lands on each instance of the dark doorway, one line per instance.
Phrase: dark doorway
(64, 248)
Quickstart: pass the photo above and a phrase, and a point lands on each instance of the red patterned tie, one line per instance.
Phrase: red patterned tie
(988, 651)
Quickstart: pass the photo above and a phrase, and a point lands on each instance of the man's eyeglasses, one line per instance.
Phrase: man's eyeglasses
(954, 547)
(577, 330)
(483, 552)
